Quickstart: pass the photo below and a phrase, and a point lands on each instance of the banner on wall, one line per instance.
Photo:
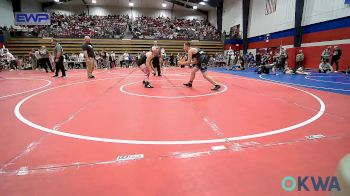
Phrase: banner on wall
(270, 6)
(347, 1)
(40, 18)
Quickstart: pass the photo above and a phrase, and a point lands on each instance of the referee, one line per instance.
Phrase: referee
(58, 58)
(89, 56)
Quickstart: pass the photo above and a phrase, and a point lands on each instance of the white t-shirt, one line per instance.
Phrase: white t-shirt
(126, 56)
(37, 55)
(113, 56)
(81, 56)
(230, 52)
(10, 57)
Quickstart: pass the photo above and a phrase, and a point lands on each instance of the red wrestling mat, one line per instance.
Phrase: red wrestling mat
(64, 136)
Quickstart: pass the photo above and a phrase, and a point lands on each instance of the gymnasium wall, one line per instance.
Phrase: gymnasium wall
(68, 9)
(7, 18)
(325, 23)
(134, 12)
(316, 11)
(282, 19)
(213, 18)
(318, 36)
(6, 13)
(232, 14)
(31, 6)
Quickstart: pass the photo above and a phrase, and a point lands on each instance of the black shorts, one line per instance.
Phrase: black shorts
(141, 60)
(202, 62)
(155, 61)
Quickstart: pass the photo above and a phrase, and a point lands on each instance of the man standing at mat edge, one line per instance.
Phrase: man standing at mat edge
(45, 58)
(58, 58)
(336, 57)
(200, 62)
(89, 56)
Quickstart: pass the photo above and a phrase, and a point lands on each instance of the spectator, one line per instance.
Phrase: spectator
(37, 56)
(245, 59)
(258, 59)
(33, 58)
(336, 57)
(10, 59)
(125, 59)
(300, 71)
(112, 59)
(325, 67)
(250, 59)
(299, 59)
(282, 59)
(230, 55)
(238, 63)
(172, 59)
(266, 58)
(326, 54)
(45, 59)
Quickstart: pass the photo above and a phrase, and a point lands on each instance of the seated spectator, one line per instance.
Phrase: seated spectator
(251, 60)
(265, 69)
(238, 63)
(325, 67)
(301, 71)
(266, 58)
(10, 59)
(299, 59)
(245, 59)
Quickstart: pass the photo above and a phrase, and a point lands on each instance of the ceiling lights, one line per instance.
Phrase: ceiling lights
(164, 4)
(202, 3)
(94, 1)
(57, 1)
(195, 7)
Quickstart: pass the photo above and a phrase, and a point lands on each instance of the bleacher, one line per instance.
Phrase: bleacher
(22, 46)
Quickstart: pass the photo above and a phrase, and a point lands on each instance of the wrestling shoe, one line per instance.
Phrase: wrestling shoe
(189, 84)
(216, 87)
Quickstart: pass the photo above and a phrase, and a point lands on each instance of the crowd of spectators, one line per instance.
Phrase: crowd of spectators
(64, 26)
(266, 61)
(118, 26)
(166, 28)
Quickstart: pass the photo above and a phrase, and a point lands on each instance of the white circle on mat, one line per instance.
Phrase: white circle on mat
(19, 93)
(169, 97)
(169, 142)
